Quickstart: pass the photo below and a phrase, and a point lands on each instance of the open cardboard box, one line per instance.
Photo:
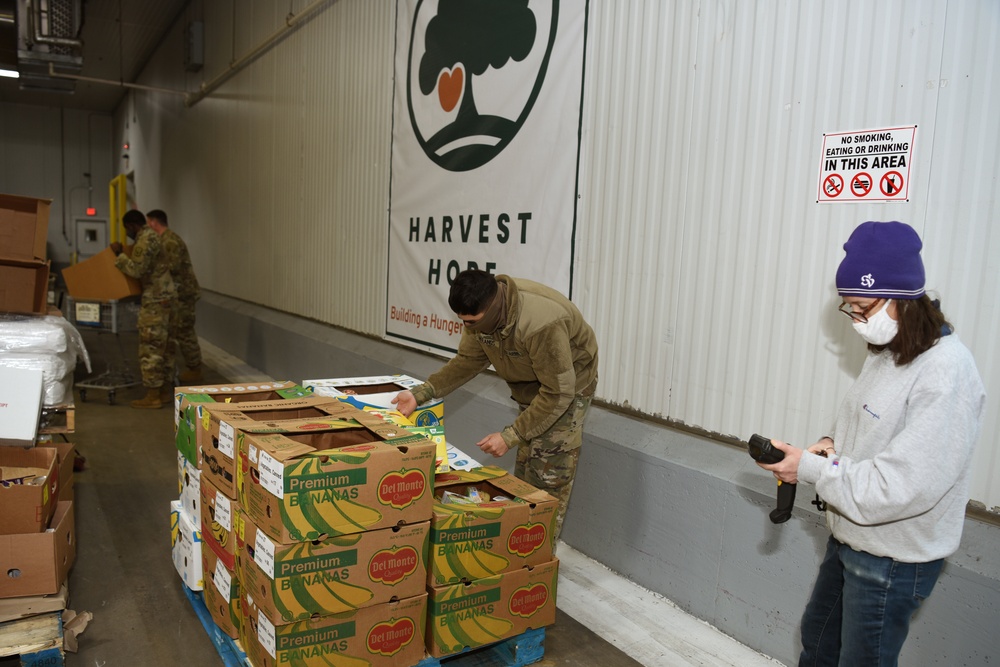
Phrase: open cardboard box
(218, 424)
(24, 226)
(470, 542)
(346, 473)
(38, 563)
(98, 278)
(28, 508)
(65, 458)
(185, 399)
(377, 391)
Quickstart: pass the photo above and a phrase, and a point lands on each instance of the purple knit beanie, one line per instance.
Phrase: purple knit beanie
(883, 262)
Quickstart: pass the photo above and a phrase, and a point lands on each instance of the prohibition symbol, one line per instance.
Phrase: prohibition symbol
(833, 185)
(891, 183)
(861, 184)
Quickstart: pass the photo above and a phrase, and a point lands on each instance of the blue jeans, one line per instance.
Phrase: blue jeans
(861, 607)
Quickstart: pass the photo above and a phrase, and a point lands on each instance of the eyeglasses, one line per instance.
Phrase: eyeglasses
(862, 317)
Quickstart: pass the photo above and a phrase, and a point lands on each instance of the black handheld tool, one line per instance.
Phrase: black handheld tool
(762, 451)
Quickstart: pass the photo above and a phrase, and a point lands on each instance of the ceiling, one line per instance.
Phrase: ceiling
(119, 37)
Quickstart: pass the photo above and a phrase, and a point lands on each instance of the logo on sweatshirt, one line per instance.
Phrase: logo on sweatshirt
(869, 411)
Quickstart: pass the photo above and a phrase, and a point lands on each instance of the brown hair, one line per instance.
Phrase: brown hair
(921, 324)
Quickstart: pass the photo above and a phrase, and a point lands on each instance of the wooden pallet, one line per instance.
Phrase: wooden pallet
(58, 419)
(524, 649)
(37, 639)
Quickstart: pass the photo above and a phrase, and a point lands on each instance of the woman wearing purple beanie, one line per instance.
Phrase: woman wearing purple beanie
(895, 473)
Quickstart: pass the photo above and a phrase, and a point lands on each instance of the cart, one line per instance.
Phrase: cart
(114, 316)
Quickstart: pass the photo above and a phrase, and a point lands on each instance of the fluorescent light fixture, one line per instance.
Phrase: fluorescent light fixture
(9, 73)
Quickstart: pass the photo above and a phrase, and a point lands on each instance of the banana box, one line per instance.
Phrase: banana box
(220, 522)
(293, 582)
(464, 616)
(185, 538)
(345, 474)
(378, 391)
(382, 635)
(221, 592)
(511, 529)
(219, 422)
(185, 399)
(189, 485)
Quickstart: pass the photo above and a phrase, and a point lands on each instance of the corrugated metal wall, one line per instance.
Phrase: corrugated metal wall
(704, 261)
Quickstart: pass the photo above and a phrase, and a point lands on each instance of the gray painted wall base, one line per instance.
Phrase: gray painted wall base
(681, 515)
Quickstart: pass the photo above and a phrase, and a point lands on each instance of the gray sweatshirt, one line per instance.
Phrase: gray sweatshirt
(899, 483)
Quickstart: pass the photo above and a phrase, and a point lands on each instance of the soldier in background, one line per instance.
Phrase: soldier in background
(148, 264)
(182, 331)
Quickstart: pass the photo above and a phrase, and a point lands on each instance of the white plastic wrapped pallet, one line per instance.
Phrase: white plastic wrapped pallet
(49, 344)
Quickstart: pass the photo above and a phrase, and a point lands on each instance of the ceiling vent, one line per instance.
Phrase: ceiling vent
(48, 36)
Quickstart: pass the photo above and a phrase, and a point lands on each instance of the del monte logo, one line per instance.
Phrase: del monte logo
(474, 71)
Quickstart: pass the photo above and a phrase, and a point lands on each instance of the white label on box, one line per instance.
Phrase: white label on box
(227, 439)
(263, 553)
(88, 313)
(265, 633)
(223, 512)
(222, 579)
(253, 454)
(272, 474)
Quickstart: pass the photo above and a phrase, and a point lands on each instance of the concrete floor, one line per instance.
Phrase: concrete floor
(124, 574)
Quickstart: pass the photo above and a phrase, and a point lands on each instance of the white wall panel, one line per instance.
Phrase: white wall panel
(703, 258)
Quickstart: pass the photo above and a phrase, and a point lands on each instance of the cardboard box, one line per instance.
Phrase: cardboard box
(378, 391)
(65, 458)
(221, 592)
(488, 610)
(28, 507)
(21, 394)
(297, 581)
(38, 563)
(98, 278)
(220, 522)
(219, 423)
(185, 546)
(24, 286)
(189, 485)
(185, 399)
(470, 542)
(24, 226)
(344, 474)
(382, 635)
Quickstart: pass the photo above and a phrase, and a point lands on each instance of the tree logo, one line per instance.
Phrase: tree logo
(474, 72)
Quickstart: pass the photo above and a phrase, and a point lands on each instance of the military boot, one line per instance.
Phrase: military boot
(191, 376)
(166, 394)
(150, 401)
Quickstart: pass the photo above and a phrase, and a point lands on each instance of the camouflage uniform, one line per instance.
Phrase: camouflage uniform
(148, 264)
(182, 333)
(547, 354)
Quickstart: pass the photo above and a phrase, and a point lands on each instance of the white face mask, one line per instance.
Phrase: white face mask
(880, 329)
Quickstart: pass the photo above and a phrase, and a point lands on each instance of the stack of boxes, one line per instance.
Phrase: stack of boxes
(326, 537)
(213, 559)
(37, 527)
(24, 269)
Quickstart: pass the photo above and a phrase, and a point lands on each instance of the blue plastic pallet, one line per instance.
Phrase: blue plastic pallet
(232, 655)
(524, 649)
